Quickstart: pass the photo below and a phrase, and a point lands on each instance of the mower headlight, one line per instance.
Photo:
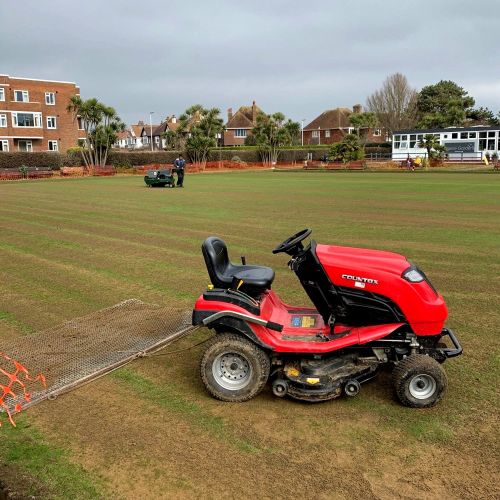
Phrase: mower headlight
(413, 275)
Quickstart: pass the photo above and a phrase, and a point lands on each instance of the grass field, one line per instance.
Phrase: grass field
(70, 247)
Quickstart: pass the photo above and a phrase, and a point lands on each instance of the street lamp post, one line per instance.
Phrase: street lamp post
(151, 113)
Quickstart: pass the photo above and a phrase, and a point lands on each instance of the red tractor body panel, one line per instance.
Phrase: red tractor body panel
(304, 330)
(381, 272)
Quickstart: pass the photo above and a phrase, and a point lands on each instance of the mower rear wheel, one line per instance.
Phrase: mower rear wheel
(419, 381)
(233, 368)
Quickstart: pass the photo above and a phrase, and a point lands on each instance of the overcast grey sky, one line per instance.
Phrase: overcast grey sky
(297, 57)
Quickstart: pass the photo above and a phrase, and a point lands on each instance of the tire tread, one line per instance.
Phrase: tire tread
(418, 362)
(262, 359)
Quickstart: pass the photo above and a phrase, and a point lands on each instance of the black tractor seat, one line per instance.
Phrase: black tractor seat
(224, 274)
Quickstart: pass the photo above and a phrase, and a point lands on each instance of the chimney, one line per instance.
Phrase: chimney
(254, 113)
(141, 123)
(173, 119)
(229, 113)
(357, 108)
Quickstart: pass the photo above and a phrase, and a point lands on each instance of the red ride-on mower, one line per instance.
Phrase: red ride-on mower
(373, 308)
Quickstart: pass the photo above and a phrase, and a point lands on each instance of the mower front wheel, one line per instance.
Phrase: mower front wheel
(233, 368)
(419, 381)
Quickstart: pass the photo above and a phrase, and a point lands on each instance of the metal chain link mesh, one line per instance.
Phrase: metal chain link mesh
(85, 348)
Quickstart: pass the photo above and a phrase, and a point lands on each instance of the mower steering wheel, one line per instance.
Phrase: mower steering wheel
(292, 242)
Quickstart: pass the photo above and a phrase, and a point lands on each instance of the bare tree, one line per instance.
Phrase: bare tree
(394, 104)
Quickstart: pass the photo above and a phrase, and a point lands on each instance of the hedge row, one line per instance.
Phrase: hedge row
(56, 161)
(39, 160)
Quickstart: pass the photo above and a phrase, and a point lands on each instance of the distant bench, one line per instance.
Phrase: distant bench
(39, 174)
(104, 171)
(336, 165)
(7, 175)
(30, 173)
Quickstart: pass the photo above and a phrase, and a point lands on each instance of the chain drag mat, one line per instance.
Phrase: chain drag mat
(88, 347)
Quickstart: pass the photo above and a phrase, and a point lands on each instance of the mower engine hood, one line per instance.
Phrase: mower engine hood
(361, 261)
(380, 272)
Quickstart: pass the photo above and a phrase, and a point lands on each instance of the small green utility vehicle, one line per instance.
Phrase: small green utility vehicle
(159, 178)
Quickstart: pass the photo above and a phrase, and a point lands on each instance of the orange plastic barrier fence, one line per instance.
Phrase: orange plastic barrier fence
(14, 383)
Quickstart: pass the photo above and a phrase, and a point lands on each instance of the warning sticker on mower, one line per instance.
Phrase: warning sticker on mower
(303, 321)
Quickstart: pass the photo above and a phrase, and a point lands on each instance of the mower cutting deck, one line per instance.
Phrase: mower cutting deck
(373, 308)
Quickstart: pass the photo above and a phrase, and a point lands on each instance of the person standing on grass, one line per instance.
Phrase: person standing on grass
(179, 165)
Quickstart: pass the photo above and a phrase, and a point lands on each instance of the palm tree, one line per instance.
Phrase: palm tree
(101, 125)
(271, 133)
(197, 132)
(434, 149)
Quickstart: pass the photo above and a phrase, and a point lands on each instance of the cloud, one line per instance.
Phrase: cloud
(293, 56)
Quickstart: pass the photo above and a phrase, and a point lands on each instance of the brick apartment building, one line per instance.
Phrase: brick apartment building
(33, 115)
(332, 125)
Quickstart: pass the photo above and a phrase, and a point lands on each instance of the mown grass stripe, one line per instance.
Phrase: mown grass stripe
(11, 320)
(167, 397)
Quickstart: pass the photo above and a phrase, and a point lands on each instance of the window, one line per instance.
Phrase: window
(327, 133)
(472, 135)
(50, 98)
(482, 135)
(80, 122)
(51, 122)
(82, 142)
(413, 141)
(4, 145)
(3, 120)
(491, 133)
(53, 146)
(27, 119)
(26, 146)
(491, 144)
(396, 145)
(240, 132)
(377, 132)
(397, 137)
(350, 130)
(2, 94)
(404, 145)
(454, 135)
(315, 133)
(464, 135)
(446, 136)
(21, 96)
(404, 137)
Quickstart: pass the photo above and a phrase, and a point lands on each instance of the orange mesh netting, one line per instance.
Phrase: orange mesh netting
(15, 384)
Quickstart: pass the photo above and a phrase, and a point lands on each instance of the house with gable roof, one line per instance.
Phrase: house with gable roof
(240, 124)
(135, 135)
(333, 124)
(156, 133)
(159, 140)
